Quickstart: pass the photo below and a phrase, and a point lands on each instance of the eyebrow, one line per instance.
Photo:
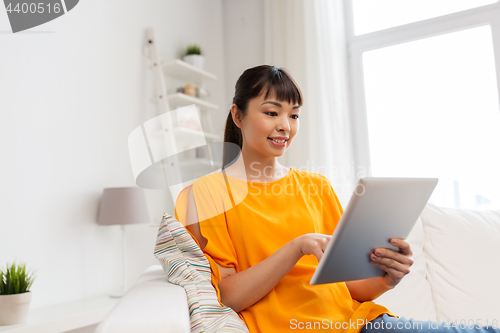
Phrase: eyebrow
(279, 105)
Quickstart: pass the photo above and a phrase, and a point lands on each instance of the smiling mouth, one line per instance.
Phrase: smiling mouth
(278, 141)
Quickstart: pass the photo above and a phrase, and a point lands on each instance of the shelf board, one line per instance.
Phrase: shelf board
(65, 317)
(178, 100)
(184, 134)
(183, 71)
(188, 135)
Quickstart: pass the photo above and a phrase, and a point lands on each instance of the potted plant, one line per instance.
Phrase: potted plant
(15, 294)
(194, 57)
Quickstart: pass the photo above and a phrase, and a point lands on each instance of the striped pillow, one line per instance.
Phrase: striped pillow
(185, 265)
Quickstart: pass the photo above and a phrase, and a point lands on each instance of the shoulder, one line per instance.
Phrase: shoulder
(316, 183)
(313, 183)
(208, 183)
(311, 177)
(193, 193)
(211, 195)
(207, 179)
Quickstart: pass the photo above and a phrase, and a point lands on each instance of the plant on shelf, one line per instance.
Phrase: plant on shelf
(193, 56)
(193, 49)
(15, 294)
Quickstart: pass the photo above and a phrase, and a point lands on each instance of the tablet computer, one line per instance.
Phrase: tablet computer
(379, 209)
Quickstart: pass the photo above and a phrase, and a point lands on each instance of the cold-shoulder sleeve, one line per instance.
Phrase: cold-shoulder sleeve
(212, 202)
(333, 209)
(329, 193)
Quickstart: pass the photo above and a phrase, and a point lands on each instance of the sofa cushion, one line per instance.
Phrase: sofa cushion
(461, 247)
(412, 298)
(185, 264)
(143, 307)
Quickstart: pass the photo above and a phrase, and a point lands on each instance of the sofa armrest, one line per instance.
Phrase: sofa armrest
(151, 305)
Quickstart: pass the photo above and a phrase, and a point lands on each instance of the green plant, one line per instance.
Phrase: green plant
(193, 49)
(15, 279)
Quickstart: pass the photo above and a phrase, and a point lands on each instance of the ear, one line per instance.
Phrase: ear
(236, 114)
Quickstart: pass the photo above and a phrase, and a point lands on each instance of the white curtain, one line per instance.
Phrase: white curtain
(307, 37)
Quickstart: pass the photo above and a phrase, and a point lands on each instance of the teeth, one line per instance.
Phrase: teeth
(279, 141)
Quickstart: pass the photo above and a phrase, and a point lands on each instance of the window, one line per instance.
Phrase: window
(428, 106)
(374, 15)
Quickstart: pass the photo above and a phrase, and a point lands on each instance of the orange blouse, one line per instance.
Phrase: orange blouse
(246, 222)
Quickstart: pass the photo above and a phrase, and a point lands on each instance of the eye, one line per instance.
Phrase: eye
(295, 115)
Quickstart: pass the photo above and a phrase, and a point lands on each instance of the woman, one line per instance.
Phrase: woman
(263, 227)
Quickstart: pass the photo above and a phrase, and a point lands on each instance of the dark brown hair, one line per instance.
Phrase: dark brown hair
(271, 80)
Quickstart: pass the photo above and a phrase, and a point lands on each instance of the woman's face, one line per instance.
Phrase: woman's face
(265, 119)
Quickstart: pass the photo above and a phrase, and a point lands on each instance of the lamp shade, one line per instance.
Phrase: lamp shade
(123, 205)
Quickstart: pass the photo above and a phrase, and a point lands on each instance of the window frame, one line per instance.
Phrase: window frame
(357, 45)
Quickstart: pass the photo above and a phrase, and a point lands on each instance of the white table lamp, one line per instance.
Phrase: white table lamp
(122, 206)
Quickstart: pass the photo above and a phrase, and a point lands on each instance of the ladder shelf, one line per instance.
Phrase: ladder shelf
(177, 139)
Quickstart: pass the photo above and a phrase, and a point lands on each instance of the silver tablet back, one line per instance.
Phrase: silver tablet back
(379, 209)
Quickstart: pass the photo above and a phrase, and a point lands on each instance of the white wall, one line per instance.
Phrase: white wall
(243, 46)
(71, 91)
(243, 40)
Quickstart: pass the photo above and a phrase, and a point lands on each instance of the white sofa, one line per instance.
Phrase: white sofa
(152, 304)
(454, 277)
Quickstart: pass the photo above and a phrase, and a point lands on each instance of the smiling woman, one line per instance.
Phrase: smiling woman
(260, 249)
(263, 239)
(262, 226)
(263, 120)
(276, 123)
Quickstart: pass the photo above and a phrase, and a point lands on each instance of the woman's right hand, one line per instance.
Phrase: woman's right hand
(312, 243)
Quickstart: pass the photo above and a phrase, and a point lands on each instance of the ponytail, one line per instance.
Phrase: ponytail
(232, 134)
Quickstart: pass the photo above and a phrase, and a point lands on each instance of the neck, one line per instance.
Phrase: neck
(257, 167)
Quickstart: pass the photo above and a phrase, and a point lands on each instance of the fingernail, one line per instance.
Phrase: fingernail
(394, 242)
(378, 252)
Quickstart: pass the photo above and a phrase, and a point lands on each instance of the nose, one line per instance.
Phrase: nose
(283, 125)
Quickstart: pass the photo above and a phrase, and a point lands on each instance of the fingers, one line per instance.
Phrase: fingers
(314, 244)
(321, 247)
(391, 264)
(318, 253)
(393, 255)
(404, 251)
(395, 264)
(395, 274)
(404, 246)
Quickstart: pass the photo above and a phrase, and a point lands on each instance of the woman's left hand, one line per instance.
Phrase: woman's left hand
(395, 264)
